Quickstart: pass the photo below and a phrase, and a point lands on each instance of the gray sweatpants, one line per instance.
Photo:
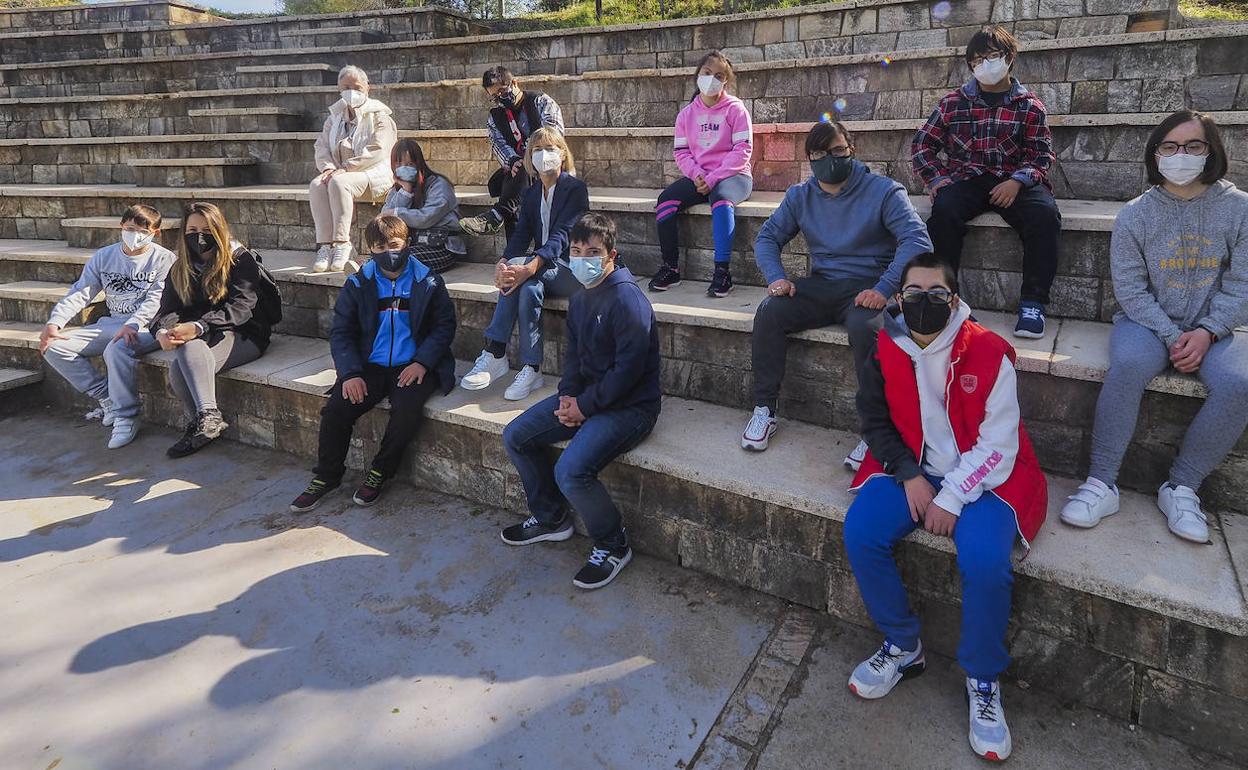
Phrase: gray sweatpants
(1136, 356)
(193, 370)
(70, 358)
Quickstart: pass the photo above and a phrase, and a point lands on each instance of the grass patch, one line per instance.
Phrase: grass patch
(1215, 10)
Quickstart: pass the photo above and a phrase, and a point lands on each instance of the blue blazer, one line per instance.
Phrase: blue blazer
(431, 313)
(571, 201)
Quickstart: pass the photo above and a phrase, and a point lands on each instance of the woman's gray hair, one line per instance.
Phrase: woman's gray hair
(351, 69)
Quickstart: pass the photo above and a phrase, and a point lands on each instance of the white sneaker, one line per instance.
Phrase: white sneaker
(759, 430)
(124, 431)
(484, 372)
(1090, 503)
(876, 676)
(321, 263)
(103, 413)
(339, 255)
(1183, 513)
(527, 381)
(989, 734)
(854, 459)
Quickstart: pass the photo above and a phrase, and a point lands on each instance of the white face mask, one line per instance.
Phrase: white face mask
(989, 72)
(134, 240)
(1181, 168)
(353, 99)
(710, 85)
(546, 161)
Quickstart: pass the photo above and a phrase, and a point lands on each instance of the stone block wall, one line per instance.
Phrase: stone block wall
(104, 15)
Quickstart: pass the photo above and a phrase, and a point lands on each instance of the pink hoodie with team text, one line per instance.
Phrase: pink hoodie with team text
(714, 142)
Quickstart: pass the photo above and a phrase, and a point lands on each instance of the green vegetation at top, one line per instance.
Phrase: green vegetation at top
(1215, 10)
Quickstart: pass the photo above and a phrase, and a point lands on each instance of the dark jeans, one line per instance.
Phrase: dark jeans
(1033, 215)
(574, 477)
(339, 416)
(818, 302)
(508, 189)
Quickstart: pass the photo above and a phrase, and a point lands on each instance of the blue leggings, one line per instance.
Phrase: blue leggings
(682, 194)
(984, 537)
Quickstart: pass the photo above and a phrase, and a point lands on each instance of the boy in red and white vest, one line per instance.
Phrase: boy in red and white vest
(938, 401)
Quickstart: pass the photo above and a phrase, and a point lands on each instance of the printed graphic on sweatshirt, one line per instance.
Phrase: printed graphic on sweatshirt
(708, 131)
(124, 292)
(1190, 252)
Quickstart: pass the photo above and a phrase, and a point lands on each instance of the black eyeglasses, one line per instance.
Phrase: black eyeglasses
(990, 56)
(835, 152)
(1193, 147)
(935, 296)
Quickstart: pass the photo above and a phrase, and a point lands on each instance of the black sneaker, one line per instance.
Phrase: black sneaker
(666, 278)
(603, 565)
(721, 283)
(532, 531)
(312, 496)
(370, 488)
(207, 428)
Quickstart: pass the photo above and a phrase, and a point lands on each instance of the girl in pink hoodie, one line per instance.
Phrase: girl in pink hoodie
(713, 144)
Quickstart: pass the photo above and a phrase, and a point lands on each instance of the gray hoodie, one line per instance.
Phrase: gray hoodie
(1182, 264)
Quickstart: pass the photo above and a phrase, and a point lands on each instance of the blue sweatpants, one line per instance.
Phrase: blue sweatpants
(984, 537)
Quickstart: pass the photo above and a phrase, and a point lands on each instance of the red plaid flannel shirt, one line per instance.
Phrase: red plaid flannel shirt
(1012, 140)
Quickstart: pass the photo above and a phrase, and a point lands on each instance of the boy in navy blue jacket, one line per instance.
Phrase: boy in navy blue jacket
(393, 326)
(608, 402)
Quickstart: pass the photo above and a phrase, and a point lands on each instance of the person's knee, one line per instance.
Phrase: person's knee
(1225, 380)
(862, 325)
(59, 350)
(118, 350)
(945, 212)
(571, 472)
(531, 293)
(861, 532)
(981, 563)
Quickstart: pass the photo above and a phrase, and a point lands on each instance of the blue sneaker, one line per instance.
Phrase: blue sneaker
(1030, 320)
(876, 676)
(989, 734)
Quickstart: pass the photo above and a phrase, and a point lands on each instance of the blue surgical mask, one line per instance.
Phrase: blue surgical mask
(587, 270)
(406, 173)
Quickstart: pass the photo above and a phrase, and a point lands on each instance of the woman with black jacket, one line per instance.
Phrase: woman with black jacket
(213, 315)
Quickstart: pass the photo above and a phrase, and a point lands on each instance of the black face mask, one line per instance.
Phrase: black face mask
(830, 170)
(199, 244)
(506, 98)
(924, 316)
(392, 260)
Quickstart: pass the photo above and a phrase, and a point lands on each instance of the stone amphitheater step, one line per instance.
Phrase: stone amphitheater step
(278, 217)
(706, 345)
(1154, 626)
(288, 75)
(12, 379)
(155, 38)
(32, 301)
(21, 21)
(93, 232)
(1098, 156)
(862, 27)
(234, 120)
(1143, 72)
(303, 39)
(195, 172)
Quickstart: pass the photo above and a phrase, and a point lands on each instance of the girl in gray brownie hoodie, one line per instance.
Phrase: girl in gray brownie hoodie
(1179, 260)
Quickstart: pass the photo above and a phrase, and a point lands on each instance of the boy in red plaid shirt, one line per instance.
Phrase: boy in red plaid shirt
(997, 152)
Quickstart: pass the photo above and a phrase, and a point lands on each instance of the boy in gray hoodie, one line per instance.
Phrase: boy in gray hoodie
(131, 273)
(1179, 260)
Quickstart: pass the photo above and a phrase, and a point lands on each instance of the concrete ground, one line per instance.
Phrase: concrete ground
(162, 614)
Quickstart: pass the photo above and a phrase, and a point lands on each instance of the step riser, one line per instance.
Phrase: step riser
(113, 15)
(295, 79)
(197, 176)
(36, 311)
(99, 237)
(991, 264)
(812, 35)
(788, 553)
(1094, 162)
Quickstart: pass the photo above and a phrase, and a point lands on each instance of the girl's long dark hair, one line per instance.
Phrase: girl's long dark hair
(411, 148)
(730, 77)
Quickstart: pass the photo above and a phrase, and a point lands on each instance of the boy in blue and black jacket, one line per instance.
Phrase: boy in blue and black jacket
(608, 402)
(393, 326)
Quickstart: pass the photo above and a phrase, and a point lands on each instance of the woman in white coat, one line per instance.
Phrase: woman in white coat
(353, 157)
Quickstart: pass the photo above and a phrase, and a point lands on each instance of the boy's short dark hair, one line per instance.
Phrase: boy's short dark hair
(594, 225)
(143, 216)
(496, 76)
(1216, 164)
(989, 39)
(928, 259)
(384, 229)
(823, 134)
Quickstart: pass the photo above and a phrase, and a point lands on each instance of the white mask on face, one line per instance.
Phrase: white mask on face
(353, 98)
(710, 85)
(546, 161)
(989, 72)
(1181, 168)
(134, 240)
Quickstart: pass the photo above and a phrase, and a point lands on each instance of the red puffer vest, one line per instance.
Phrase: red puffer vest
(975, 361)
